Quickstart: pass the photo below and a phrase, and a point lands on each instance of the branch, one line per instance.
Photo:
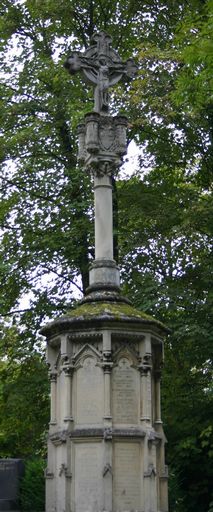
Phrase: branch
(32, 36)
(81, 28)
(16, 311)
(62, 276)
(51, 198)
(22, 93)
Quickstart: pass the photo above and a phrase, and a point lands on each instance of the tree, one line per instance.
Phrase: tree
(168, 260)
(24, 397)
(38, 119)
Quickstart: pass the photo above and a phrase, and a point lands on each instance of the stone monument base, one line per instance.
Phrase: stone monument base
(106, 441)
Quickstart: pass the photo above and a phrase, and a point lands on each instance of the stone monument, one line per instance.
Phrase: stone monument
(106, 441)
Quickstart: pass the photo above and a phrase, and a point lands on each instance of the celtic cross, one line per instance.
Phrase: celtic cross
(102, 66)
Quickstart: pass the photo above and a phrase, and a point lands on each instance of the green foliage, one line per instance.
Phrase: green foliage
(167, 255)
(32, 492)
(24, 397)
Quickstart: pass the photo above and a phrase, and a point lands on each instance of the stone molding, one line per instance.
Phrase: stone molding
(107, 469)
(60, 437)
(48, 474)
(164, 474)
(151, 471)
(67, 323)
(63, 470)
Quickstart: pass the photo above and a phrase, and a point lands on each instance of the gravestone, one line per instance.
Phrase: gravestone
(106, 441)
(11, 472)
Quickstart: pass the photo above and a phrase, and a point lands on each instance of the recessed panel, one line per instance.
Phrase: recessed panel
(89, 393)
(126, 477)
(88, 477)
(125, 393)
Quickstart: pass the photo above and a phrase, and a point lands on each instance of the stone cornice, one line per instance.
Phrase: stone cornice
(103, 315)
(132, 433)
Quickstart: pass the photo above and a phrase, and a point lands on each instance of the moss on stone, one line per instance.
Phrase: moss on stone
(116, 310)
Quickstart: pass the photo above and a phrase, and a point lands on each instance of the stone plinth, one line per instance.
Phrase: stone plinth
(106, 441)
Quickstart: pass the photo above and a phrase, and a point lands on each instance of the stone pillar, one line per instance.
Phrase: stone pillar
(146, 393)
(107, 475)
(164, 505)
(150, 475)
(68, 371)
(107, 368)
(50, 477)
(103, 217)
(149, 395)
(143, 411)
(158, 421)
(53, 402)
(107, 386)
(64, 478)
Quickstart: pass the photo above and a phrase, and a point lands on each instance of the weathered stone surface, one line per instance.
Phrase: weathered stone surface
(88, 477)
(126, 476)
(104, 273)
(102, 142)
(125, 393)
(102, 66)
(98, 312)
(89, 393)
(103, 433)
(126, 450)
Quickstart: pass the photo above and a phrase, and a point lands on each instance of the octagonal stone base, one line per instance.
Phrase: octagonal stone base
(106, 441)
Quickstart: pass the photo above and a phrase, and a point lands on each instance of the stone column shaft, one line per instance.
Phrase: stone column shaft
(143, 393)
(146, 398)
(107, 387)
(149, 396)
(157, 401)
(107, 476)
(68, 376)
(53, 386)
(103, 218)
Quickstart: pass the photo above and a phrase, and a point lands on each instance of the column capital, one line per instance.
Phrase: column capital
(68, 369)
(53, 375)
(107, 367)
(144, 369)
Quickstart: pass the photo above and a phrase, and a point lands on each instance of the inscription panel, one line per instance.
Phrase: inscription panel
(89, 393)
(88, 477)
(125, 393)
(126, 477)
